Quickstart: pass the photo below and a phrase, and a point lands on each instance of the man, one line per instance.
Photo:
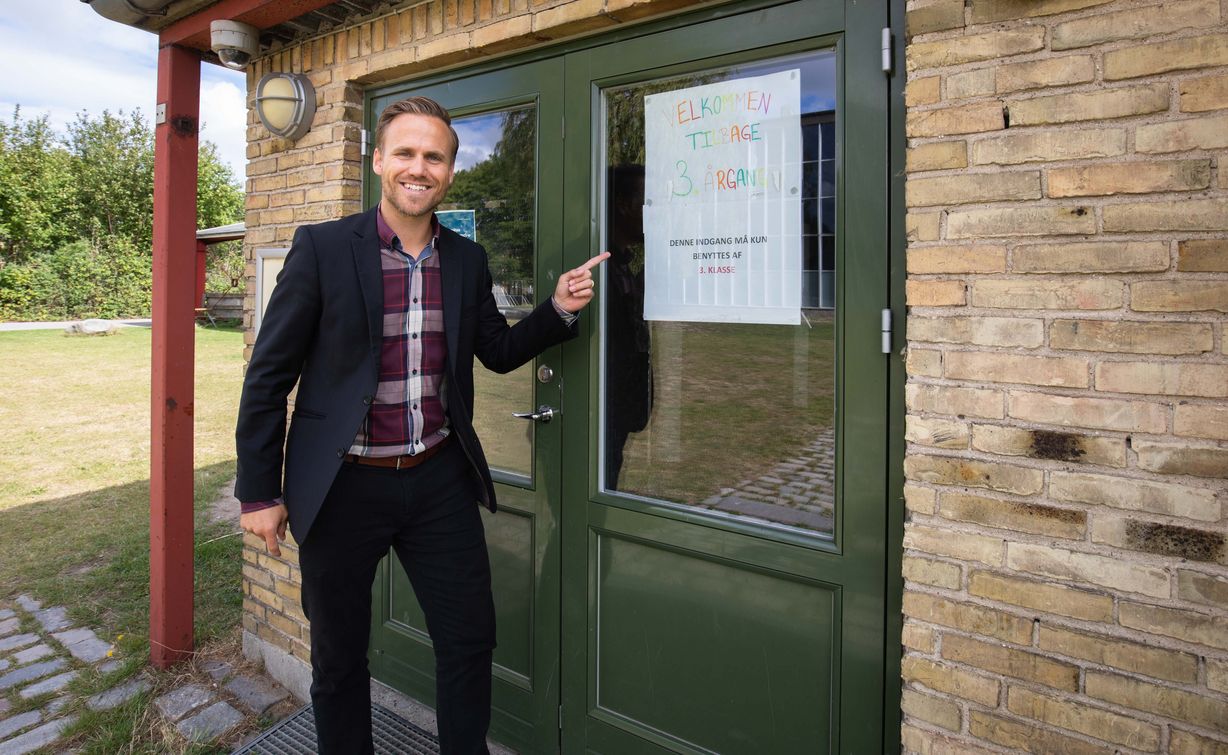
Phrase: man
(378, 317)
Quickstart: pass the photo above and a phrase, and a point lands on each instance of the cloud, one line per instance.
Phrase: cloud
(60, 58)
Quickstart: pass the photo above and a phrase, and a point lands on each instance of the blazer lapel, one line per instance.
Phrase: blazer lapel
(365, 246)
(451, 275)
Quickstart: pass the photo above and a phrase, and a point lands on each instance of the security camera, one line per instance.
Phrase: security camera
(234, 42)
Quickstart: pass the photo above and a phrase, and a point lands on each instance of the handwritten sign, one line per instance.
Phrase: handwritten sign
(722, 202)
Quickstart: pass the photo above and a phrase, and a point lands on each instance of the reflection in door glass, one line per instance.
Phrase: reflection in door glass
(732, 418)
(493, 197)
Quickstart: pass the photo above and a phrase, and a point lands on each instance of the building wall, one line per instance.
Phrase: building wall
(1067, 201)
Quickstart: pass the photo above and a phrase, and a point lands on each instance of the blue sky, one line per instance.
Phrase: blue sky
(59, 57)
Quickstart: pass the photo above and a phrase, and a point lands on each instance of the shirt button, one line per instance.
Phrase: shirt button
(414, 336)
(415, 372)
(340, 453)
(415, 407)
(415, 300)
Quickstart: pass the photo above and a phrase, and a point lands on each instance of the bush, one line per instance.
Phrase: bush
(111, 279)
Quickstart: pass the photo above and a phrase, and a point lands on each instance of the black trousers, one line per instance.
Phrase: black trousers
(428, 514)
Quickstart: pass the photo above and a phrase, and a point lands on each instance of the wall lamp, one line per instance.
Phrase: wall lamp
(286, 104)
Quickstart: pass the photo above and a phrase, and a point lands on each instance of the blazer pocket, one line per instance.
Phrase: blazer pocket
(307, 414)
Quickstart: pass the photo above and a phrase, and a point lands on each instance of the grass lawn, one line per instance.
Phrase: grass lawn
(74, 493)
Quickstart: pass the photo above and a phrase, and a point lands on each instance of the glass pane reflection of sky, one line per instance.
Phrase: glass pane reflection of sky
(478, 136)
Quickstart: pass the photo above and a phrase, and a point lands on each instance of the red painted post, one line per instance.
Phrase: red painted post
(174, 345)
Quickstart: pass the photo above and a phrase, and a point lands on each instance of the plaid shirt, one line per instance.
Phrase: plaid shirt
(409, 412)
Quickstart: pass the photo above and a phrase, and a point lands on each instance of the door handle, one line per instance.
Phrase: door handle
(543, 414)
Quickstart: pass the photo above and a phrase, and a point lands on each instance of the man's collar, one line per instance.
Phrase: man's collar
(387, 235)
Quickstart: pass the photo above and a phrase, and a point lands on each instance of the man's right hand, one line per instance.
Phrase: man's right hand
(268, 524)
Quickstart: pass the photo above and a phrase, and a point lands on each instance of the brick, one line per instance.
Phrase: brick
(922, 226)
(1089, 106)
(935, 16)
(1203, 256)
(1207, 589)
(979, 331)
(936, 573)
(1166, 379)
(1012, 515)
(287, 626)
(920, 500)
(1179, 215)
(1217, 675)
(571, 18)
(950, 680)
(257, 576)
(1021, 221)
(985, 258)
(935, 293)
(1129, 178)
(1135, 495)
(1133, 24)
(953, 400)
(965, 547)
(1198, 709)
(1047, 146)
(1004, 367)
(1179, 296)
(1059, 563)
(1131, 337)
(1201, 421)
(1159, 539)
(1188, 743)
(1012, 662)
(1120, 654)
(1046, 444)
(1040, 596)
(934, 710)
(988, 11)
(918, 638)
(923, 362)
(946, 470)
(923, 91)
(939, 433)
(974, 83)
(1161, 57)
(1093, 413)
(1049, 72)
(963, 119)
(966, 188)
(1208, 132)
(1047, 293)
(974, 47)
(968, 617)
(1017, 735)
(1094, 722)
(928, 742)
(1182, 458)
(1207, 93)
(502, 35)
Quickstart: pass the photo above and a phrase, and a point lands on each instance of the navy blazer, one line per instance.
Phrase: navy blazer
(323, 328)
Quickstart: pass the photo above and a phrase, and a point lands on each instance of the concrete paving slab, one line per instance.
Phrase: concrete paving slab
(257, 695)
(117, 696)
(36, 653)
(73, 636)
(52, 684)
(10, 726)
(28, 603)
(53, 619)
(7, 613)
(5, 663)
(15, 641)
(43, 736)
(8, 626)
(89, 651)
(112, 665)
(210, 723)
(5, 706)
(27, 674)
(51, 709)
(179, 702)
(217, 670)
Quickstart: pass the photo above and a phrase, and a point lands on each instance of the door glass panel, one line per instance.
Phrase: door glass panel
(737, 419)
(493, 200)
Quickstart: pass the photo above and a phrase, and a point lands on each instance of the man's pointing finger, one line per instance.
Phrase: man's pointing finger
(594, 262)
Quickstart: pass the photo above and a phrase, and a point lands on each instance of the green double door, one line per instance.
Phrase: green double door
(689, 554)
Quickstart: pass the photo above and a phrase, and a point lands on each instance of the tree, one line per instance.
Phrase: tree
(36, 190)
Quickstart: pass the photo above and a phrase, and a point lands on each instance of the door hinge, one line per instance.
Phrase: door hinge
(366, 142)
(886, 50)
(886, 331)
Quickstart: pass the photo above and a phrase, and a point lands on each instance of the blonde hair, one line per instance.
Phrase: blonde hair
(415, 106)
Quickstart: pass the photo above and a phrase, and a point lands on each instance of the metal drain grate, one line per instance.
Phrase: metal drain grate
(296, 735)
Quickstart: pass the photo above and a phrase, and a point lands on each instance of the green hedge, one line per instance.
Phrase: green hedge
(108, 279)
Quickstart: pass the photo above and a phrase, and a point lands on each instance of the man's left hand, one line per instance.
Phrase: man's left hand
(575, 288)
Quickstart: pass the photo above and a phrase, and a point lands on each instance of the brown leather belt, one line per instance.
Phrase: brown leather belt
(397, 462)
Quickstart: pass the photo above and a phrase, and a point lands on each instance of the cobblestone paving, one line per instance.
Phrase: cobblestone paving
(42, 652)
(799, 491)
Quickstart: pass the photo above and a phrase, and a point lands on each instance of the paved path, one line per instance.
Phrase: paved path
(42, 652)
(7, 326)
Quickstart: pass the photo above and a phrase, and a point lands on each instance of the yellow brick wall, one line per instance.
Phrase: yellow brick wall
(1065, 562)
(319, 177)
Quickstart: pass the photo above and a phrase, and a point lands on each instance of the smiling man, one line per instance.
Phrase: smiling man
(378, 318)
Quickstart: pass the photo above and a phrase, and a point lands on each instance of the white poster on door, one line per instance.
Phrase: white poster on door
(723, 202)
